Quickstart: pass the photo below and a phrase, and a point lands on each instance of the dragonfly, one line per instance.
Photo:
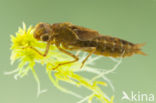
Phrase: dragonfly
(69, 37)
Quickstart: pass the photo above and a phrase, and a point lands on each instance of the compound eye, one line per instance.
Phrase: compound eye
(45, 37)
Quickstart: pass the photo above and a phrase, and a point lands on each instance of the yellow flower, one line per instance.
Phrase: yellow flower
(66, 73)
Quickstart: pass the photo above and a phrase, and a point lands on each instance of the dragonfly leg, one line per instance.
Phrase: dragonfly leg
(42, 54)
(68, 53)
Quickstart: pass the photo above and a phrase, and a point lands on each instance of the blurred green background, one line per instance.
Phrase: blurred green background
(133, 20)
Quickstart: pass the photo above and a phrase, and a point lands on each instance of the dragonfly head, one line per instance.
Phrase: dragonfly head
(43, 32)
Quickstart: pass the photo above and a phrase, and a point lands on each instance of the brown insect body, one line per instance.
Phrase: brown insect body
(105, 45)
(113, 47)
(74, 37)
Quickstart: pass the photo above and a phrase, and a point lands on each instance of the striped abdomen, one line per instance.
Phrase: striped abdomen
(111, 46)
